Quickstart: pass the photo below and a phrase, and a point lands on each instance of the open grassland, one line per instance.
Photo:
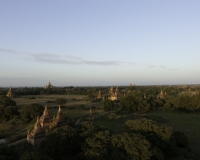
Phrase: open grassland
(72, 100)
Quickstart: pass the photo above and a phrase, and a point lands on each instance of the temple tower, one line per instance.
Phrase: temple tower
(99, 95)
(45, 119)
(36, 135)
(10, 93)
(58, 120)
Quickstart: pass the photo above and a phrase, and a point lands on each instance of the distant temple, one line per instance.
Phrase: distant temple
(114, 95)
(43, 124)
(99, 96)
(161, 95)
(10, 93)
(49, 86)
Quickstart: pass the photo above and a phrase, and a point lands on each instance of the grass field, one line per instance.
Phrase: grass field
(78, 106)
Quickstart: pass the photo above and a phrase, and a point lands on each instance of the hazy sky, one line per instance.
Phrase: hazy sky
(99, 42)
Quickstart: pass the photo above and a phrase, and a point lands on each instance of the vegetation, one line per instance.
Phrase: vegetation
(136, 126)
(8, 108)
(31, 112)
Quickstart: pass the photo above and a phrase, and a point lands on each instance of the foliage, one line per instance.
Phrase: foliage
(132, 146)
(113, 116)
(135, 102)
(160, 136)
(5, 101)
(108, 105)
(8, 153)
(98, 146)
(188, 102)
(8, 108)
(31, 111)
(149, 126)
(181, 139)
(87, 128)
(61, 142)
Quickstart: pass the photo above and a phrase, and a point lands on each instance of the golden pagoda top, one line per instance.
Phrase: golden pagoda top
(59, 115)
(37, 126)
(49, 85)
(10, 93)
(45, 113)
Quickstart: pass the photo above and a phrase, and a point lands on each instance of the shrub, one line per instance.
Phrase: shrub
(108, 105)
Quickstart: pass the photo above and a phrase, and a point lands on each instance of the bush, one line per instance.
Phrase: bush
(113, 116)
(31, 111)
(108, 105)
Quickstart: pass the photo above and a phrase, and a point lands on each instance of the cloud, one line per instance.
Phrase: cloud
(150, 66)
(69, 59)
(63, 59)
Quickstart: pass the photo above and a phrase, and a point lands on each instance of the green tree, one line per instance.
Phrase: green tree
(108, 105)
(98, 146)
(31, 111)
(62, 142)
(135, 102)
(187, 102)
(11, 111)
(5, 101)
(131, 146)
(149, 126)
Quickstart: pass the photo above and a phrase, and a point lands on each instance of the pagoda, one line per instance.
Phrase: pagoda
(49, 86)
(36, 135)
(45, 119)
(10, 93)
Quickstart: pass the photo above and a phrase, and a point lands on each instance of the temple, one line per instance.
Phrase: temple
(99, 96)
(49, 86)
(36, 135)
(161, 95)
(114, 95)
(45, 119)
(58, 120)
(45, 123)
(10, 93)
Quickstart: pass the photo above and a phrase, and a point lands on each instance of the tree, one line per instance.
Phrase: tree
(108, 105)
(149, 126)
(135, 102)
(8, 108)
(10, 111)
(62, 142)
(5, 101)
(133, 146)
(188, 102)
(61, 101)
(98, 146)
(31, 111)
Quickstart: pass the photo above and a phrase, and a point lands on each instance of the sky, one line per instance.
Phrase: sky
(99, 42)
